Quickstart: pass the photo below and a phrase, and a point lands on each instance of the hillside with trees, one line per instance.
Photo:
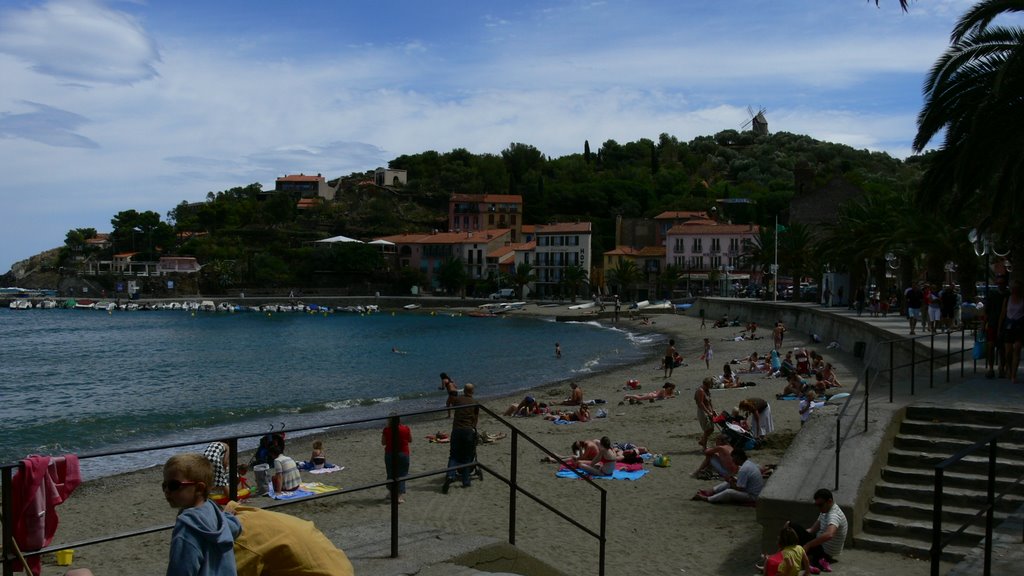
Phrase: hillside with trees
(246, 237)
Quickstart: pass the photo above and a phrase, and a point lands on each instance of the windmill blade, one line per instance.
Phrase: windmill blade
(750, 111)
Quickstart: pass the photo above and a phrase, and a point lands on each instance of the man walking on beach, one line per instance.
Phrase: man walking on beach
(463, 438)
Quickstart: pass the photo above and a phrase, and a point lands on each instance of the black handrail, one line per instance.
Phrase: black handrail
(7, 471)
(871, 375)
(938, 542)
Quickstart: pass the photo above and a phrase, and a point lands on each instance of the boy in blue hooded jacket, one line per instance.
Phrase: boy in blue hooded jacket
(203, 537)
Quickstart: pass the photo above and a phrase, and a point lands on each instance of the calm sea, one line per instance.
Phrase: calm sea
(81, 380)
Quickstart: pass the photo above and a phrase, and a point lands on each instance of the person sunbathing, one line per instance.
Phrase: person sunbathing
(829, 375)
(528, 407)
(582, 414)
(604, 463)
(581, 450)
(668, 390)
(794, 386)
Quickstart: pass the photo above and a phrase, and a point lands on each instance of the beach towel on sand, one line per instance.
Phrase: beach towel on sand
(560, 421)
(305, 489)
(327, 470)
(623, 471)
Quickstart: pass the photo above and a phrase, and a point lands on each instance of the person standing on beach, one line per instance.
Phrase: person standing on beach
(670, 358)
(558, 350)
(400, 445)
(777, 335)
(708, 353)
(448, 385)
(463, 438)
(705, 411)
(617, 306)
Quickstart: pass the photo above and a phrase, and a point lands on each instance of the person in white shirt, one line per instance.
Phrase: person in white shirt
(824, 540)
(743, 488)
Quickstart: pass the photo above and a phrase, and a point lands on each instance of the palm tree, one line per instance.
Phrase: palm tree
(523, 275)
(625, 276)
(973, 93)
(573, 278)
(796, 253)
(669, 278)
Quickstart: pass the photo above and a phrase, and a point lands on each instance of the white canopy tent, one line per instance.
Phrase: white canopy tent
(337, 239)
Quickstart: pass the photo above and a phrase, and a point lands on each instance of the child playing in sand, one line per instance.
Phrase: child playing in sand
(318, 458)
(789, 560)
(203, 538)
(708, 352)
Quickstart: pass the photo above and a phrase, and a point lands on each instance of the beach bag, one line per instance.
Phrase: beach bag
(662, 461)
(979, 349)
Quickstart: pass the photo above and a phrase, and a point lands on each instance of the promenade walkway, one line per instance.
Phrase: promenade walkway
(810, 461)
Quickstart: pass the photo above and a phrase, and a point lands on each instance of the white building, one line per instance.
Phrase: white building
(559, 246)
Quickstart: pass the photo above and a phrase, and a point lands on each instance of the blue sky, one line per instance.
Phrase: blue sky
(114, 105)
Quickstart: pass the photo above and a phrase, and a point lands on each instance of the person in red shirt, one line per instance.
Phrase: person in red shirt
(402, 447)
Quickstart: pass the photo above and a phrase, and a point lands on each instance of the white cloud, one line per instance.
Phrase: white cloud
(79, 40)
(47, 125)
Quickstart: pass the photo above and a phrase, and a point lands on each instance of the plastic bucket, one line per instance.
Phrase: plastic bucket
(65, 557)
(263, 475)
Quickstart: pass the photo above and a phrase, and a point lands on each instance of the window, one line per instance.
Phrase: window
(716, 245)
(697, 246)
(716, 262)
(490, 219)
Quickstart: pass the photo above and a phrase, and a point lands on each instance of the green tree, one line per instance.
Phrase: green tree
(573, 279)
(625, 276)
(452, 276)
(669, 279)
(973, 94)
(523, 275)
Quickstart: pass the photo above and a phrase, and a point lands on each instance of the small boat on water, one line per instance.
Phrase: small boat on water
(20, 305)
(481, 314)
(85, 304)
(412, 306)
(583, 306)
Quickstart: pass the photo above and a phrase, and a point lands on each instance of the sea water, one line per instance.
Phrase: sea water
(79, 381)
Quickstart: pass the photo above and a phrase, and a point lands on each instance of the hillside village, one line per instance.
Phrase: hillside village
(644, 219)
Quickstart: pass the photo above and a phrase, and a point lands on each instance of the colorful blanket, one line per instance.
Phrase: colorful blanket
(305, 489)
(622, 472)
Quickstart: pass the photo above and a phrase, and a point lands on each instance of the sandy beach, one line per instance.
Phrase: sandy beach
(654, 527)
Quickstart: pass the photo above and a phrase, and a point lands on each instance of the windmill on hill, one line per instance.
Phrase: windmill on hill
(758, 123)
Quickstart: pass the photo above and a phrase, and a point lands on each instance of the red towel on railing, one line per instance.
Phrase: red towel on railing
(42, 482)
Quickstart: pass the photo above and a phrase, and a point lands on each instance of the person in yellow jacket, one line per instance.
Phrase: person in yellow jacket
(272, 544)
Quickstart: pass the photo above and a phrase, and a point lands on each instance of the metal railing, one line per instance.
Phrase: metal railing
(7, 471)
(871, 375)
(938, 542)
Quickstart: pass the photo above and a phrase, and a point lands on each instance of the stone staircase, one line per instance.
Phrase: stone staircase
(899, 518)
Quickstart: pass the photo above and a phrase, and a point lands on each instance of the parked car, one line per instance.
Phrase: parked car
(503, 294)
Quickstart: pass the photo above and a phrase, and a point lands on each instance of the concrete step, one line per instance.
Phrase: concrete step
(951, 496)
(899, 474)
(907, 546)
(973, 464)
(973, 432)
(960, 415)
(916, 529)
(913, 510)
(945, 445)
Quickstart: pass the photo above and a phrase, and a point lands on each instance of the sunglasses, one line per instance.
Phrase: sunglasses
(175, 485)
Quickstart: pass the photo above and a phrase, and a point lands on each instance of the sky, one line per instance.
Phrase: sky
(112, 105)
